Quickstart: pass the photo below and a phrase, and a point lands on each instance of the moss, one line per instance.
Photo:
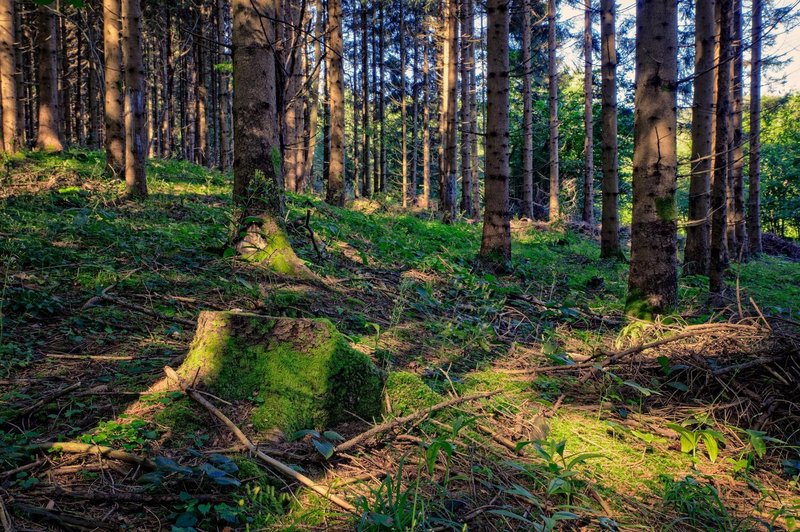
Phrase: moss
(299, 373)
(667, 208)
(183, 420)
(638, 306)
(407, 392)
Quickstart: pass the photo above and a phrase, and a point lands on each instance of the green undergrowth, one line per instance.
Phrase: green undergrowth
(404, 290)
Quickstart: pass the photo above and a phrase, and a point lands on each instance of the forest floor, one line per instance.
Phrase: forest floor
(599, 421)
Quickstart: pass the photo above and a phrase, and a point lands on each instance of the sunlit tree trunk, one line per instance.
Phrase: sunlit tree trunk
(449, 105)
(135, 120)
(588, 120)
(653, 283)
(754, 171)
(424, 200)
(335, 191)
(721, 135)
(737, 153)
(49, 135)
(552, 81)
(467, 60)
(366, 182)
(496, 240)
(609, 231)
(313, 100)
(527, 113)
(8, 83)
(696, 253)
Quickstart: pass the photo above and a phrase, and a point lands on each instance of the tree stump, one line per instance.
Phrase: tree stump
(298, 373)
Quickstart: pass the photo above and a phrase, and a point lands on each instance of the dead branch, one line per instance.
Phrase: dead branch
(280, 466)
(98, 450)
(64, 520)
(419, 414)
(46, 399)
(138, 308)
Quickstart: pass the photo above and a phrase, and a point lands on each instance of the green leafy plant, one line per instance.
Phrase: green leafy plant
(699, 502)
(692, 433)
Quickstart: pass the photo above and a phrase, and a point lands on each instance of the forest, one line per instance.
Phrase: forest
(397, 265)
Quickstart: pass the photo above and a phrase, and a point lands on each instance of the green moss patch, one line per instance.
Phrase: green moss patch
(408, 392)
(298, 373)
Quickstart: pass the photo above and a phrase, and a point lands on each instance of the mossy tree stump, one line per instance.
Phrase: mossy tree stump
(299, 373)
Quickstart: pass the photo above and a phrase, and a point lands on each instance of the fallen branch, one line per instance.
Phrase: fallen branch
(52, 396)
(63, 520)
(5, 519)
(419, 414)
(138, 308)
(100, 450)
(130, 497)
(280, 466)
(65, 356)
(21, 468)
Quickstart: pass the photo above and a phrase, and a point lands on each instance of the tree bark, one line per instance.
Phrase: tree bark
(366, 183)
(8, 83)
(754, 171)
(313, 100)
(135, 120)
(224, 92)
(335, 192)
(201, 93)
(696, 255)
(588, 119)
(496, 239)
(425, 199)
(720, 180)
(113, 106)
(467, 64)
(48, 137)
(653, 282)
(527, 113)
(403, 112)
(737, 177)
(552, 82)
(449, 105)
(609, 231)
(381, 101)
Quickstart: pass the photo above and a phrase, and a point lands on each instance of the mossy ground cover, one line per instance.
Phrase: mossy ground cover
(401, 288)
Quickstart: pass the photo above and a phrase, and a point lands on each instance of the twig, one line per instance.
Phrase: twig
(280, 466)
(374, 431)
(21, 468)
(64, 520)
(46, 399)
(99, 450)
(138, 308)
(311, 233)
(132, 497)
(5, 519)
(65, 356)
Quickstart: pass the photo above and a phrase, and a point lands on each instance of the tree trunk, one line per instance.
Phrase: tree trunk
(335, 192)
(754, 172)
(552, 82)
(224, 92)
(496, 239)
(609, 232)
(425, 199)
(653, 282)
(403, 111)
(449, 105)
(467, 64)
(720, 180)
(473, 96)
(8, 83)
(313, 101)
(527, 114)
(415, 114)
(381, 100)
(166, 89)
(588, 119)
(48, 137)
(200, 95)
(135, 121)
(258, 181)
(737, 177)
(366, 183)
(696, 253)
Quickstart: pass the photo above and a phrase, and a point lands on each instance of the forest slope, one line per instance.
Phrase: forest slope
(98, 295)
